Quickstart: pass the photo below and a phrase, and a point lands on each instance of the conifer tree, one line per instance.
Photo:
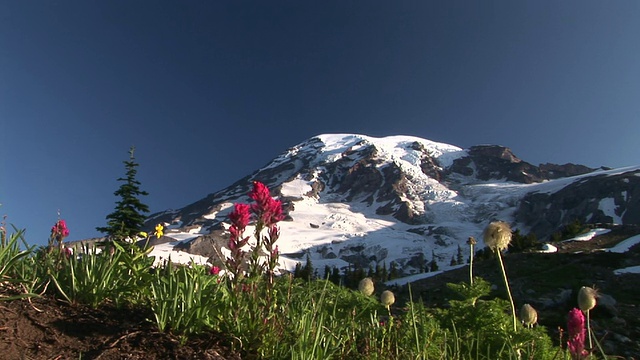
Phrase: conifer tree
(335, 276)
(393, 271)
(434, 263)
(128, 217)
(459, 256)
(327, 272)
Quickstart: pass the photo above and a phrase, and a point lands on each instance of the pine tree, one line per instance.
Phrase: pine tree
(434, 262)
(459, 256)
(393, 271)
(128, 217)
(327, 272)
(306, 272)
(335, 276)
(297, 272)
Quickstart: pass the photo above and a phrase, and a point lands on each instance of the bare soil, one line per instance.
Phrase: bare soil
(45, 328)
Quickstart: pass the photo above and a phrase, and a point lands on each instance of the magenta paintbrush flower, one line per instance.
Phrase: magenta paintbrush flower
(59, 231)
(577, 333)
(239, 220)
(215, 270)
(268, 210)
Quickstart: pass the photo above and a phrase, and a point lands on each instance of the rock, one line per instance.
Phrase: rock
(608, 304)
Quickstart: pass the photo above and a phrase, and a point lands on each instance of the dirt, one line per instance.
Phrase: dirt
(45, 328)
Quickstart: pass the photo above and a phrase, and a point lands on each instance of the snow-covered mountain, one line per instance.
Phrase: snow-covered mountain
(355, 199)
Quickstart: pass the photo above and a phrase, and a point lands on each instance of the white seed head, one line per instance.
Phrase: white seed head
(366, 286)
(387, 298)
(528, 315)
(497, 235)
(587, 298)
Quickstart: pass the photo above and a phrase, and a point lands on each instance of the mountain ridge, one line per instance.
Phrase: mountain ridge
(356, 199)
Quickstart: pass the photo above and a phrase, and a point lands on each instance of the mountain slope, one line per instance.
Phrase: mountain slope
(355, 199)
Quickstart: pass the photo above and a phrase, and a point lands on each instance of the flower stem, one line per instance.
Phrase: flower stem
(506, 283)
(589, 331)
(471, 266)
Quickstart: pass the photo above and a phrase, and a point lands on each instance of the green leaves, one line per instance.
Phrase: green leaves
(185, 300)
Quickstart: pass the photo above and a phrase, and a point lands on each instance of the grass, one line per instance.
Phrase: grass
(289, 319)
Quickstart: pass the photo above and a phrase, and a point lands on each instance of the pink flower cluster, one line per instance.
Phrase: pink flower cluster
(577, 333)
(267, 212)
(59, 231)
(215, 270)
(239, 220)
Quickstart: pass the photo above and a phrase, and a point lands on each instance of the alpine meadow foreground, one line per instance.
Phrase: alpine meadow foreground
(109, 302)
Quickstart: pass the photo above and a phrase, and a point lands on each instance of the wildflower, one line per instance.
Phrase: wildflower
(587, 298)
(240, 216)
(577, 332)
(366, 286)
(159, 231)
(268, 210)
(215, 270)
(587, 301)
(59, 231)
(239, 220)
(387, 298)
(275, 252)
(143, 234)
(471, 241)
(68, 252)
(497, 235)
(528, 315)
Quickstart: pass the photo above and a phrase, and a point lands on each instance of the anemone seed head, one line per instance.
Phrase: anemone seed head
(387, 298)
(587, 298)
(528, 315)
(366, 286)
(497, 235)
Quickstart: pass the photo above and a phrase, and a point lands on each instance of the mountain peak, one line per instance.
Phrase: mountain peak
(362, 200)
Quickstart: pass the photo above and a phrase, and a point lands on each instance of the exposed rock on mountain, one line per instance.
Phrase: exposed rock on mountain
(604, 198)
(492, 162)
(401, 198)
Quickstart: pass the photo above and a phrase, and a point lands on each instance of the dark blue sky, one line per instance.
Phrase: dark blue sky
(210, 91)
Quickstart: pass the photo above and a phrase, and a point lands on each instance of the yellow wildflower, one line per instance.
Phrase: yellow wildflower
(159, 231)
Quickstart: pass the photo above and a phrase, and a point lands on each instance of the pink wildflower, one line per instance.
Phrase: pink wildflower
(240, 216)
(577, 332)
(239, 220)
(215, 270)
(268, 210)
(59, 231)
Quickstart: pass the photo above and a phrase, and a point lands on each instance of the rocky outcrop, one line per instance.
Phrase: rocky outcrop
(493, 162)
(585, 200)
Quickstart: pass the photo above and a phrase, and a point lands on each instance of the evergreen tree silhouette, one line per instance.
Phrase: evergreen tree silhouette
(128, 217)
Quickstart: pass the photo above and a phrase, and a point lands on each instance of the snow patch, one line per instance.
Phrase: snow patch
(625, 245)
(296, 188)
(608, 207)
(628, 270)
(548, 248)
(588, 235)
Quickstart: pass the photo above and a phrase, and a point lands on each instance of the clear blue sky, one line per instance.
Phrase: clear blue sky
(210, 91)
